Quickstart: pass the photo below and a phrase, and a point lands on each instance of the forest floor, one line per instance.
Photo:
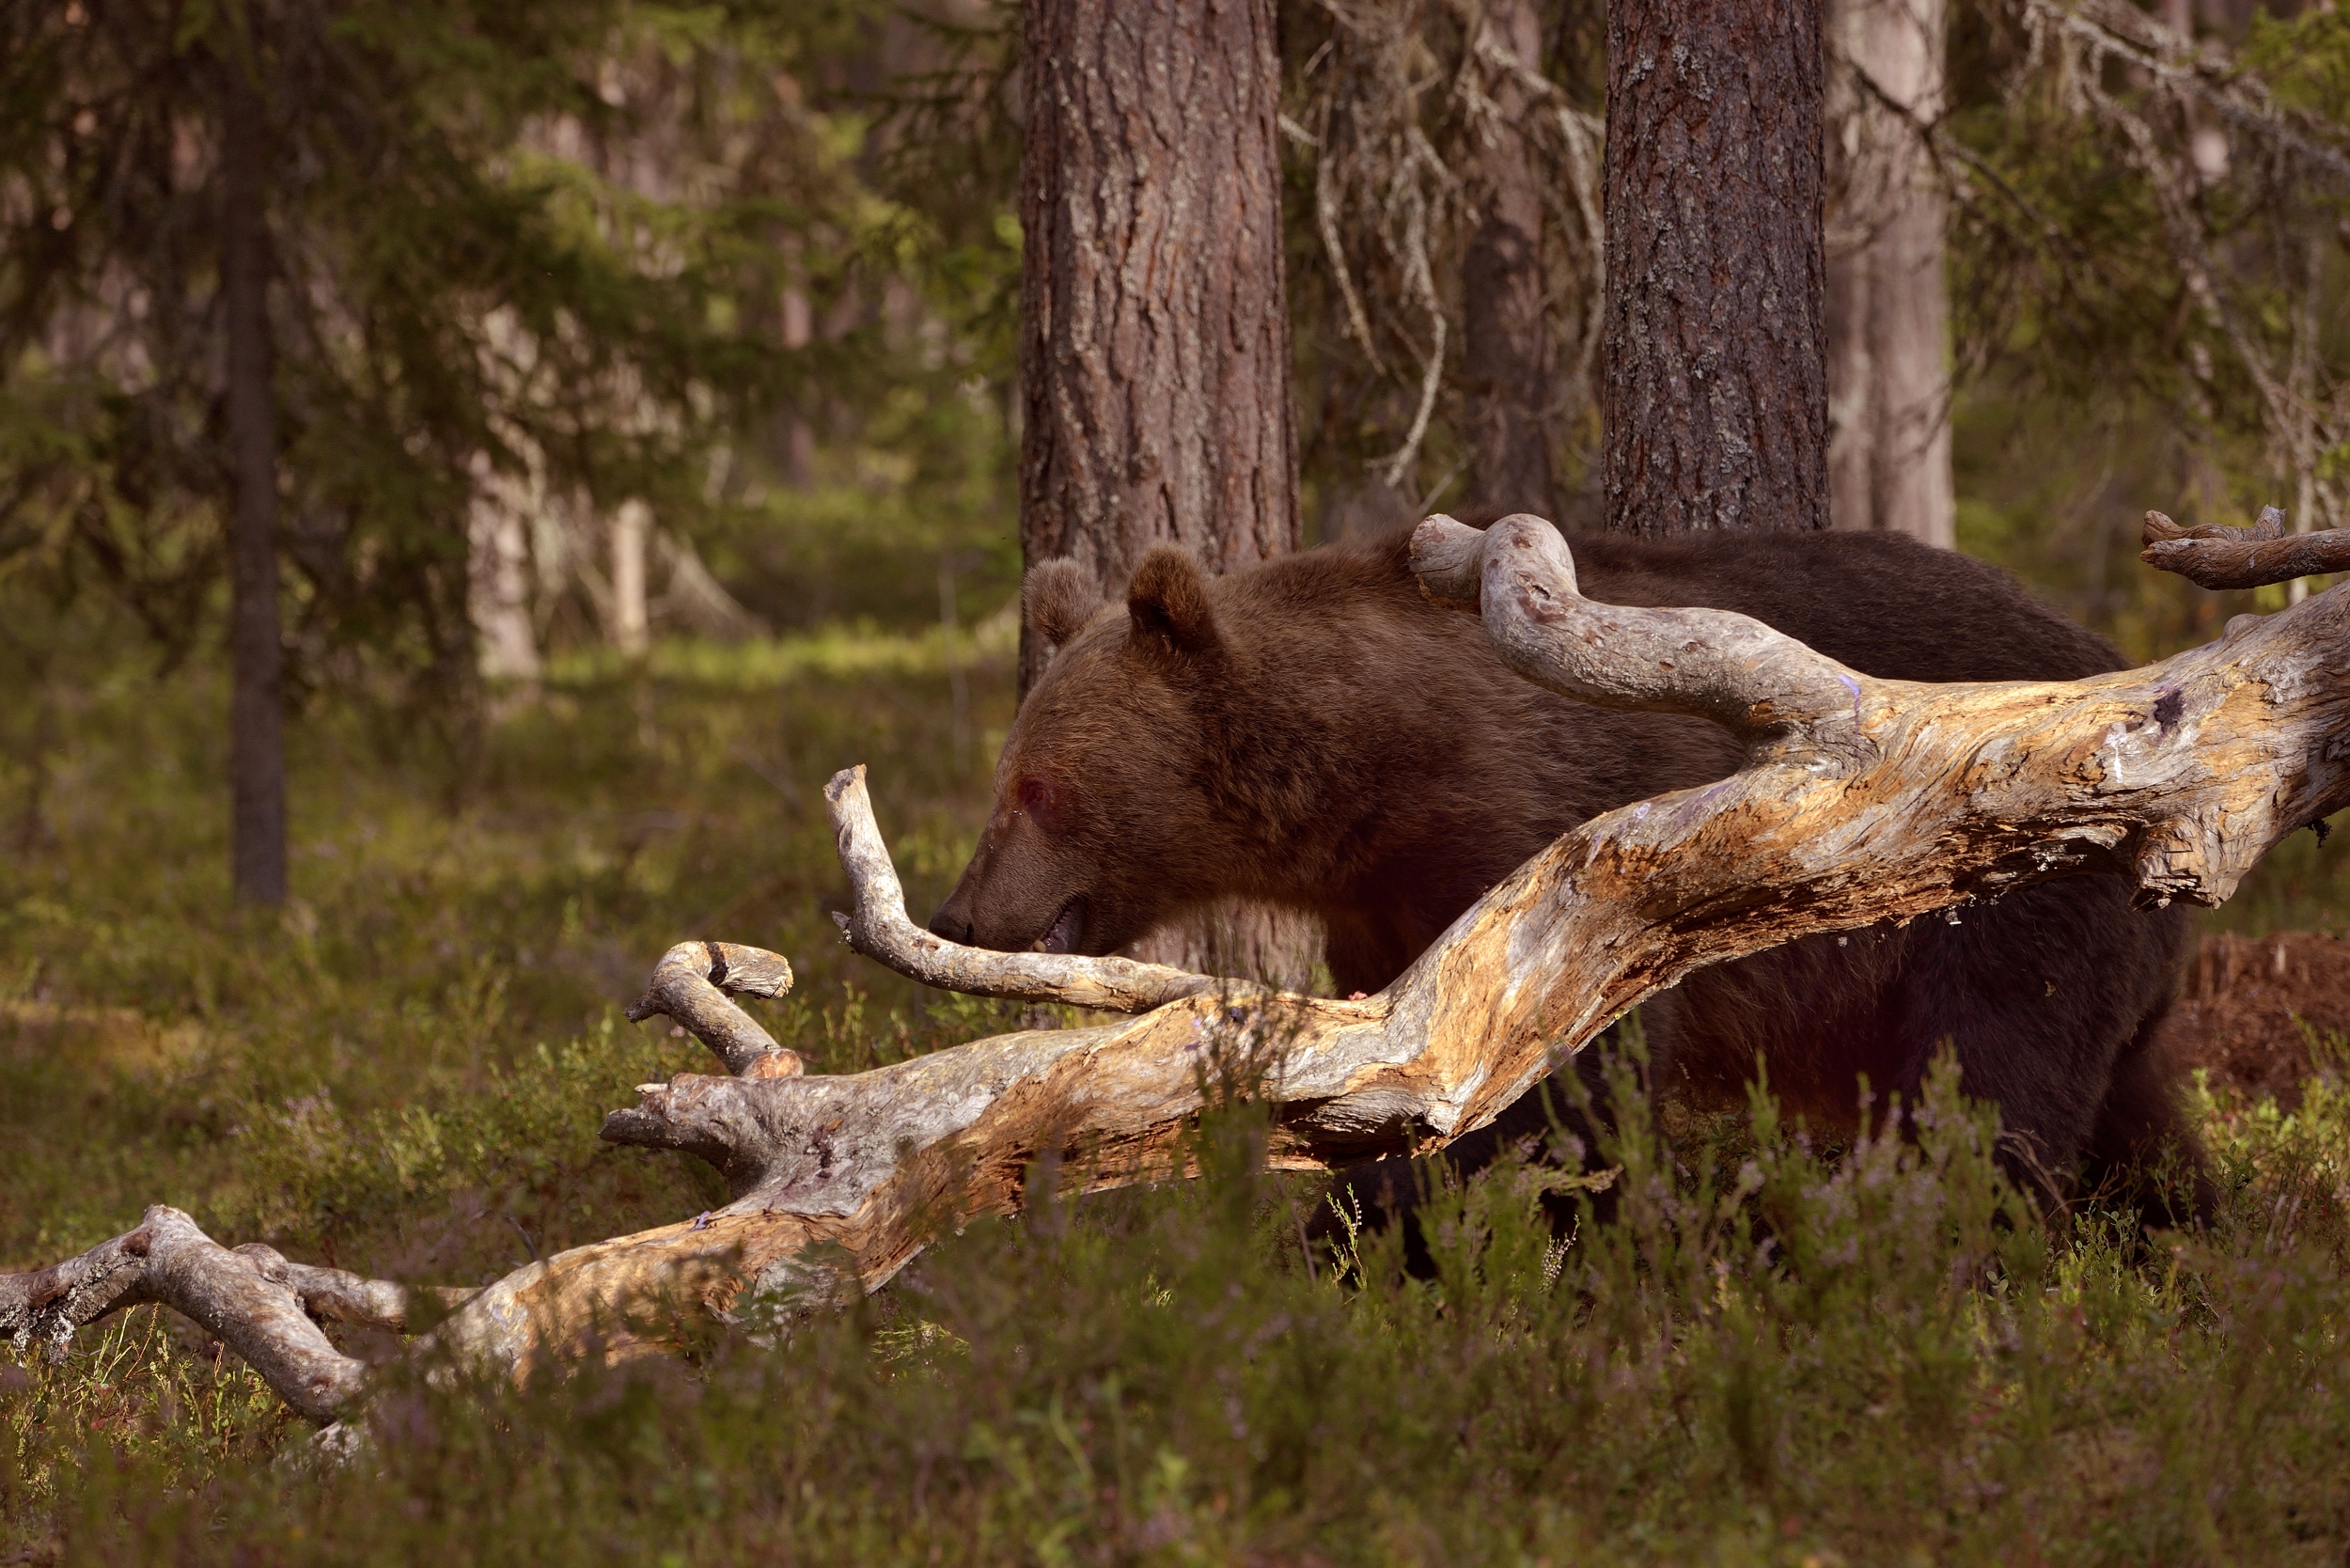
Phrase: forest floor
(1778, 1352)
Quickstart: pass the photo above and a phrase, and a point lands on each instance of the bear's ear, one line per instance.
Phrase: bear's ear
(1057, 600)
(1167, 602)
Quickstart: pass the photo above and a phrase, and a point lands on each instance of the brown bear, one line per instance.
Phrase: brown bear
(1315, 733)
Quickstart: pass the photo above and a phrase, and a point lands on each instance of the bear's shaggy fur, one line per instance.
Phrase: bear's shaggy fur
(1315, 733)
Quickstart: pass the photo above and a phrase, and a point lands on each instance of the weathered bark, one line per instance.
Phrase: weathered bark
(689, 987)
(1861, 801)
(1889, 383)
(880, 930)
(1505, 346)
(2219, 556)
(268, 1310)
(1154, 330)
(251, 1299)
(257, 741)
(1715, 378)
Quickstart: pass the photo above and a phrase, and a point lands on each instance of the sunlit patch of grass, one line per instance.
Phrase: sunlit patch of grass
(141, 1388)
(827, 655)
(1771, 1355)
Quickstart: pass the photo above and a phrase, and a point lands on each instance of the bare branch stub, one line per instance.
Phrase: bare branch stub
(338, 1295)
(1449, 559)
(689, 986)
(1710, 664)
(2217, 556)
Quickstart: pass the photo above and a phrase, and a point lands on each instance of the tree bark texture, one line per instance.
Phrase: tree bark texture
(690, 986)
(1155, 360)
(1154, 349)
(1888, 381)
(1860, 801)
(1505, 346)
(267, 1310)
(257, 748)
(1714, 397)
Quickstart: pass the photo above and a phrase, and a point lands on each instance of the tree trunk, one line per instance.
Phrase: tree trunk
(1155, 349)
(632, 622)
(1715, 375)
(795, 437)
(1155, 360)
(257, 741)
(498, 586)
(1889, 384)
(1504, 349)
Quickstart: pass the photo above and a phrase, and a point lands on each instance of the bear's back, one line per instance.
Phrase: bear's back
(1883, 603)
(1403, 701)
(1341, 653)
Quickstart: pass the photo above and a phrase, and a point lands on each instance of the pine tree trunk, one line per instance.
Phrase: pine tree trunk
(1504, 347)
(1888, 381)
(1715, 374)
(1155, 349)
(1154, 358)
(631, 621)
(256, 746)
(795, 437)
(498, 586)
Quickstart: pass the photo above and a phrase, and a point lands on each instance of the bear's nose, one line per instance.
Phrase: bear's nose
(951, 926)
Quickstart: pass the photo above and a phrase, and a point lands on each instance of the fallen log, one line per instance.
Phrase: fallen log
(1860, 801)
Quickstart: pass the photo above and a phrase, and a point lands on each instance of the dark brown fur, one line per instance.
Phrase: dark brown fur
(1314, 733)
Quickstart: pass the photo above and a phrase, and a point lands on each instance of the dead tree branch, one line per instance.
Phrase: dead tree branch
(270, 1311)
(1861, 801)
(689, 987)
(880, 929)
(250, 1298)
(2219, 556)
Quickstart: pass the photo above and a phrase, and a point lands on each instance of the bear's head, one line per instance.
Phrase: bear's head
(1102, 825)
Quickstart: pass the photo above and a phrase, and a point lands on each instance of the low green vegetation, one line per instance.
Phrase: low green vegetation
(1775, 1353)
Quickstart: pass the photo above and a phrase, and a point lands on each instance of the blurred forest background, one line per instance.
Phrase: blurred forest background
(637, 399)
(600, 325)
(590, 327)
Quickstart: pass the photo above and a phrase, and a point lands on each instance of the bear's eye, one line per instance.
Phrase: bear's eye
(1037, 798)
